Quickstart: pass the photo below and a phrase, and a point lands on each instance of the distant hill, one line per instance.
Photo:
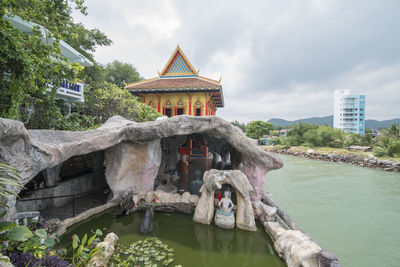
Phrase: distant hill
(374, 124)
(314, 120)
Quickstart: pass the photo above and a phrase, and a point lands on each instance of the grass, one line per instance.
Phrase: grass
(330, 150)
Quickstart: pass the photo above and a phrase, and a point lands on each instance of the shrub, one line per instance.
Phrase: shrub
(379, 151)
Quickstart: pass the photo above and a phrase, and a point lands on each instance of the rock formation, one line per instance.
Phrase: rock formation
(36, 150)
(213, 180)
(107, 248)
(132, 167)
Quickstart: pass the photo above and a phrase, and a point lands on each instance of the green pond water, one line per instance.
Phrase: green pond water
(194, 244)
(350, 210)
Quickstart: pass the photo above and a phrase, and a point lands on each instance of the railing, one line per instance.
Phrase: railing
(74, 196)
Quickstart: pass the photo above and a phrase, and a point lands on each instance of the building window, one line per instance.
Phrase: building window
(168, 112)
(198, 111)
(179, 111)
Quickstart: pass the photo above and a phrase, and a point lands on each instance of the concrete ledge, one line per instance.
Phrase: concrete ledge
(83, 216)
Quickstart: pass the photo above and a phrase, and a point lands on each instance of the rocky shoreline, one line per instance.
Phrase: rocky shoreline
(385, 165)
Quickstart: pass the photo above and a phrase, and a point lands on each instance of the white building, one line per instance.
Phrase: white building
(349, 112)
(69, 92)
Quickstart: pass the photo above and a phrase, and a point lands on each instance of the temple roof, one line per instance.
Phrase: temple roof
(178, 65)
(174, 82)
(178, 75)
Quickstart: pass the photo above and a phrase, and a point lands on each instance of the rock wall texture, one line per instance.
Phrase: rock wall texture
(36, 150)
(132, 167)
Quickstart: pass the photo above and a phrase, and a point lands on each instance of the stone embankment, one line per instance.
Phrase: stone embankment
(385, 165)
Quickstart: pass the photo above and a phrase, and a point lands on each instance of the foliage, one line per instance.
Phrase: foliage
(104, 100)
(257, 129)
(121, 73)
(393, 131)
(29, 260)
(38, 243)
(27, 67)
(32, 66)
(12, 232)
(339, 138)
(379, 151)
(9, 177)
(77, 122)
(275, 133)
(84, 40)
(353, 139)
(296, 133)
(83, 250)
(241, 125)
(148, 252)
(389, 144)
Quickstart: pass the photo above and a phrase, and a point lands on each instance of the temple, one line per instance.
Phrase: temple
(180, 90)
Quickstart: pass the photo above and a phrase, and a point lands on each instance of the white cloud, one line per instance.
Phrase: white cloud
(277, 58)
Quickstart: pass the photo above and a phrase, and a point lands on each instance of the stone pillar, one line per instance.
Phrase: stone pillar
(52, 176)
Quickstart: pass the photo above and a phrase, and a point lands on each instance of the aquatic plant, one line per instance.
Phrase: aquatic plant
(83, 250)
(150, 252)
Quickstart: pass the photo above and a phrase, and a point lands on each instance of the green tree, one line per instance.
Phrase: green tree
(296, 133)
(31, 69)
(312, 138)
(241, 125)
(104, 100)
(326, 135)
(257, 129)
(121, 73)
(339, 138)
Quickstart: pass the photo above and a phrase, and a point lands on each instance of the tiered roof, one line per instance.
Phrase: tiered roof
(178, 76)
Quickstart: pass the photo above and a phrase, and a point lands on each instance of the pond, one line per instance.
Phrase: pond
(195, 244)
(349, 210)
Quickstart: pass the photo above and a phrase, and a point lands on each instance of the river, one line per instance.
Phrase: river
(349, 210)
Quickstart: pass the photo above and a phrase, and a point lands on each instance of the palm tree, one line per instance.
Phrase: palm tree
(393, 131)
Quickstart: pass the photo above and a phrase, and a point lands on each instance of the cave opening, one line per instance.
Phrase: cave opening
(185, 158)
(68, 189)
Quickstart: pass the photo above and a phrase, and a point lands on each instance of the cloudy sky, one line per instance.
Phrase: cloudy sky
(276, 58)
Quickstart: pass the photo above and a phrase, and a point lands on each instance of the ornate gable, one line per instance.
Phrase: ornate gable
(178, 65)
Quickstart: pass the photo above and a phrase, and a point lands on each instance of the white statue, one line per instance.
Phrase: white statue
(226, 203)
(224, 216)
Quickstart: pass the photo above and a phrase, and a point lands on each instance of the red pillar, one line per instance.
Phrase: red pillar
(190, 104)
(159, 104)
(144, 99)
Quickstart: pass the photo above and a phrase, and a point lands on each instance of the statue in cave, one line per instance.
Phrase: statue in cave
(166, 183)
(224, 216)
(196, 184)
